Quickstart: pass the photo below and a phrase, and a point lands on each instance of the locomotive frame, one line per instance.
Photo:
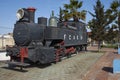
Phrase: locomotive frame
(39, 43)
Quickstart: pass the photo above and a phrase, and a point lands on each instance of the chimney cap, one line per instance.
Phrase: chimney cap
(31, 9)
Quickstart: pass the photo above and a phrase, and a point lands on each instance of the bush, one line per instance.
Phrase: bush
(115, 46)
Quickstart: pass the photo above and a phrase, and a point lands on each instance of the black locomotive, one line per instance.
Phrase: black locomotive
(39, 43)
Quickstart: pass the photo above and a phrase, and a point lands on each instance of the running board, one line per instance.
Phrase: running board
(12, 64)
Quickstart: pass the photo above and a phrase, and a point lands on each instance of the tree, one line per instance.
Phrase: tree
(115, 27)
(61, 15)
(112, 34)
(119, 24)
(71, 10)
(99, 25)
(118, 20)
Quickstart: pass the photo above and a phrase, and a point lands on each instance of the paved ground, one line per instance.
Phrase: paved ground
(102, 69)
(73, 68)
(89, 65)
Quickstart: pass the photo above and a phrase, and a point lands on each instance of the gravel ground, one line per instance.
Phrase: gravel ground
(73, 68)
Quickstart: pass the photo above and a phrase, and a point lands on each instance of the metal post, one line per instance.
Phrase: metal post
(2, 41)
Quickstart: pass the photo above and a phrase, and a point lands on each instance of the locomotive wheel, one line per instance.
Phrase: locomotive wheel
(42, 58)
(58, 60)
(76, 52)
(69, 55)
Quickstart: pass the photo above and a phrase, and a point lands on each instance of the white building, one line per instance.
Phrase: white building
(6, 39)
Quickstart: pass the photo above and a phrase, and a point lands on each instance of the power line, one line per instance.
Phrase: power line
(2, 27)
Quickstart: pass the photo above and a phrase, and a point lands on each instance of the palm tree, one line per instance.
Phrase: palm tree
(72, 11)
(66, 16)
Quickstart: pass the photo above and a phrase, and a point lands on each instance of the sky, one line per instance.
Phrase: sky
(8, 9)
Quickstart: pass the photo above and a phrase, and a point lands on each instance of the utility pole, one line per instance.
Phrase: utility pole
(119, 24)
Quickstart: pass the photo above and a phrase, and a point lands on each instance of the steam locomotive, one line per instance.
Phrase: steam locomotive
(44, 42)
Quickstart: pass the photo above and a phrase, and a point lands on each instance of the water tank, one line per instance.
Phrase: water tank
(42, 21)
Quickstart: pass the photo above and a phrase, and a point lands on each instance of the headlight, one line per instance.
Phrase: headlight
(20, 14)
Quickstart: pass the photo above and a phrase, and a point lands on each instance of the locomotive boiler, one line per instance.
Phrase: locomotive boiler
(44, 42)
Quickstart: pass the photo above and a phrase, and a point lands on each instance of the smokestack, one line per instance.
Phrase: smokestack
(31, 14)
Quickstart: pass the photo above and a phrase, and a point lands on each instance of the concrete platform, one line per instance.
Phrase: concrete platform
(3, 56)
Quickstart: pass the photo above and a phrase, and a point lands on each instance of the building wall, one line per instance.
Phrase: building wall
(6, 40)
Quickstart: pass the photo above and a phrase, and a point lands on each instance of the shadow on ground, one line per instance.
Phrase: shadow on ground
(16, 68)
(108, 69)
